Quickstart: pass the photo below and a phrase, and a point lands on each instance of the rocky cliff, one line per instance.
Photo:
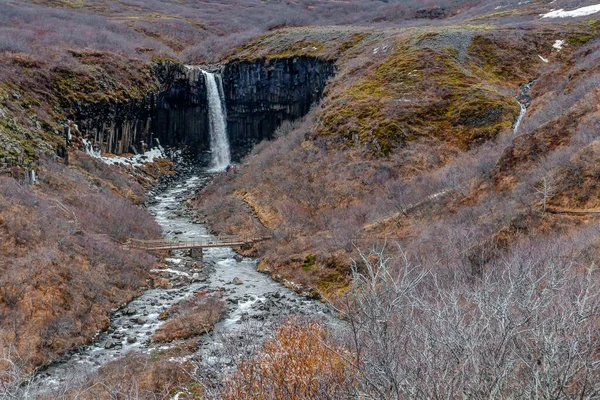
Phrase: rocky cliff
(259, 95)
(118, 127)
(180, 116)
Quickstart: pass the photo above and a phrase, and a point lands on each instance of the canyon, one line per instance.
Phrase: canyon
(431, 174)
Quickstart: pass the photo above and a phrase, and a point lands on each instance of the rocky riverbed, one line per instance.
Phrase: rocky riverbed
(255, 303)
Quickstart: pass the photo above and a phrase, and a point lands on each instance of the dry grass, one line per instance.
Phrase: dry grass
(60, 270)
(191, 318)
(301, 362)
(324, 190)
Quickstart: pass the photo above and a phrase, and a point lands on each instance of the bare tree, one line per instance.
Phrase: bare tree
(524, 329)
(545, 189)
(15, 382)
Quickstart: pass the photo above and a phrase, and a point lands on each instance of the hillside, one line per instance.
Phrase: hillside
(63, 269)
(429, 169)
(416, 132)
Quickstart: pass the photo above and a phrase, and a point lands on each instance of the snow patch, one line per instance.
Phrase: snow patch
(579, 12)
(383, 49)
(558, 44)
(135, 161)
(181, 360)
(171, 271)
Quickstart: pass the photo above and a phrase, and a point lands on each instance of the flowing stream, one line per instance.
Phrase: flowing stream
(257, 299)
(524, 101)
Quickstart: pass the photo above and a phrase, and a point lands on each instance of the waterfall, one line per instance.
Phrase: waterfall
(217, 121)
(520, 117)
(524, 101)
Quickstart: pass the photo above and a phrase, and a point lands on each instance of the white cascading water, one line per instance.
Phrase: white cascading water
(520, 117)
(523, 100)
(217, 121)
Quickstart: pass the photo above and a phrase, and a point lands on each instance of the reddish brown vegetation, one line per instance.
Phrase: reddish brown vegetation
(323, 196)
(370, 163)
(301, 362)
(137, 376)
(61, 267)
(191, 317)
(147, 28)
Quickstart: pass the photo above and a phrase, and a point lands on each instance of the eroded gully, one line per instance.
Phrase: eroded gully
(258, 301)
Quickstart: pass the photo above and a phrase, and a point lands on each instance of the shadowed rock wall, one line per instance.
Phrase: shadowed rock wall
(259, 95)
(262, 94)
(181, 115)
(117, 127)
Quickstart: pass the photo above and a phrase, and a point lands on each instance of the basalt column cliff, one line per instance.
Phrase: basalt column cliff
(262, 94)
(259, 95)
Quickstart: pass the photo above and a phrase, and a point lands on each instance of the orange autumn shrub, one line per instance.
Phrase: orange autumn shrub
(301, 362)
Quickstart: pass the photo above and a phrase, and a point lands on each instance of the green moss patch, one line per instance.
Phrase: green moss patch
(418, 92)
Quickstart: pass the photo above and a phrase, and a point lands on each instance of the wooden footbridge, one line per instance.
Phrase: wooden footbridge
(196, 244)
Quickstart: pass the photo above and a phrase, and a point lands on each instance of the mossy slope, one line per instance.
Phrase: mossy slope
(457, 97)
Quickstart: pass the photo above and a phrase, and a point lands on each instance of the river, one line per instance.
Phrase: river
(257, 301)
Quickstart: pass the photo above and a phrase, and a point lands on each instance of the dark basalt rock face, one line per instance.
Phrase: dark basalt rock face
(434, 12)
(259, 95)
(181, 115)
(118, 127)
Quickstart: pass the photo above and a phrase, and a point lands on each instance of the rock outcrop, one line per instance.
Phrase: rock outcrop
(181, 114)
(119, 127)
(262, 94)
(259, 96)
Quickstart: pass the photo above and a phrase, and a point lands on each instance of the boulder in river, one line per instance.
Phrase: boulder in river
(237, 281)
(129, 311)
(238, 258)
(138, 320)
(131, 339)
(110, 344)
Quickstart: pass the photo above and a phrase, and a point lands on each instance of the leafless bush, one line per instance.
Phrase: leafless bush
(15, 381)
(301, 362)
(526, 328)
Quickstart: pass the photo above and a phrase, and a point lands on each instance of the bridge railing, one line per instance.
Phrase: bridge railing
(194, 243)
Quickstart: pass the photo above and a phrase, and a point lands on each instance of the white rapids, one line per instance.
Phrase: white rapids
(258, 301)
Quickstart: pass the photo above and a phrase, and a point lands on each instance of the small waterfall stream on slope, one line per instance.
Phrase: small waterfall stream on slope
(258, 301)
(217, 121)
(524, 101)
(520, 117)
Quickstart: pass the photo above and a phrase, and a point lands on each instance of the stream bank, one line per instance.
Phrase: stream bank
(252, 299)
